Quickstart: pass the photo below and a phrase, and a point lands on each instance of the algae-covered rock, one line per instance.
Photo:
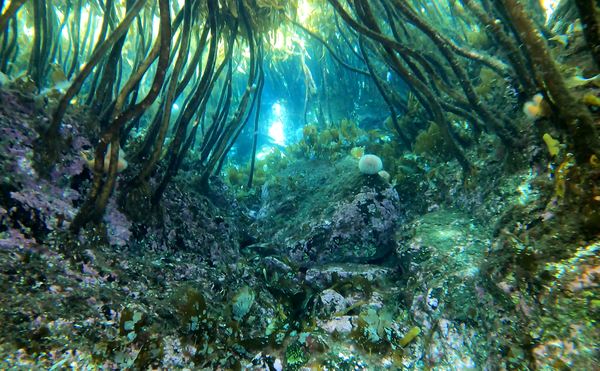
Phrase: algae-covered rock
(332, 213)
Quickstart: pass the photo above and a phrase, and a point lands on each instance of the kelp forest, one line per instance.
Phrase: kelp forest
(300, 185)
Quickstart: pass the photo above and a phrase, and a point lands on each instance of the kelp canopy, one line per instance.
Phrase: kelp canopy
(455, 68)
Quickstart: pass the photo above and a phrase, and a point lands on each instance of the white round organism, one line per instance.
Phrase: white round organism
(370, 164)
(385, 175)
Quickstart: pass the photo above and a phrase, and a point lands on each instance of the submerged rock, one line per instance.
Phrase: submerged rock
(319, 212)
(325, 275)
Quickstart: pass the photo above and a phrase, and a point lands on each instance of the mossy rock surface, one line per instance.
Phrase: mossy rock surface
(322, 212)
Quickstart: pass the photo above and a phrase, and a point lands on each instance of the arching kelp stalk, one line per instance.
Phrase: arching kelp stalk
(573, 114)
(181, 124)
(75, 38)
(261, 85)
(108, 6)
(426, 97)
(136, 194)
(510, 46)
(223, 132)
(448, 51)
(257, 88)
(50, 144)
(9, 14)
(100, 190)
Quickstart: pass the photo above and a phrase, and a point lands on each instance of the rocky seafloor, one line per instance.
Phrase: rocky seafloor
(333, 271)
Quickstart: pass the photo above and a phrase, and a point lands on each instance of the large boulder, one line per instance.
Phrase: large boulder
(322, 212)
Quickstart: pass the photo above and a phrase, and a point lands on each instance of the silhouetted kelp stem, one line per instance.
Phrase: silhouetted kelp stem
(261, 84)
(194, 62)
(309, 85)
(191, 137)
(224, 103)
(472, 119)
(444, 47)
(145, 25)
(343, 36)
(9, 13)
(12, 53)
(49, 145)
(47, 29)
(201, 94)
(219, 148)
(103, 29)
(35, 57)
(573, 114)
(255, 100)
(108, 6)
(97, 196)
(403, 138)
(426, 97)
(210, 135)
(3, 47)
(432, 78)
(58, 35)
(75, 39)
(135, 78)
(590, 20)
(491, 62)
(518, 61)
(88, 41)
(328, 47)
(392, 22)
(175, 48)
(152, 132)
(222, 110)
(170, 94)
(143, 49)
(9, 49)
(104, 91)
